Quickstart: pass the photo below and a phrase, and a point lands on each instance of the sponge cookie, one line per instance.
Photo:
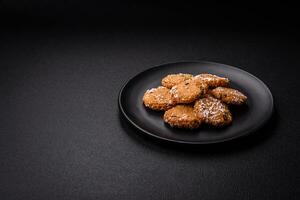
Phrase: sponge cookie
(158, 98)
(188, 91)
(212, 111)
(229, 95)
(174, 79)
(182, 116)
(212, 80)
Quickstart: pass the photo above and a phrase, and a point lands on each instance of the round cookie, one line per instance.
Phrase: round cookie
(158, 98)
(174, 79)
(229, 95)
(212, 80)
(182, 116)
(188, 91)
(212, 111)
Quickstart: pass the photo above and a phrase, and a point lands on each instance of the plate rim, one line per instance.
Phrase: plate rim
(245, 133)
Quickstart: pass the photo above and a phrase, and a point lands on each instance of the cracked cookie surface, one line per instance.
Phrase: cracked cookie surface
(212, 111)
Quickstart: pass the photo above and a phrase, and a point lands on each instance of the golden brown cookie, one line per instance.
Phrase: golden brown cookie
(158, 98)
(212, 80)
(229, 96)
(188, 91)
(174, 79)
(212, 111)
(182, 116)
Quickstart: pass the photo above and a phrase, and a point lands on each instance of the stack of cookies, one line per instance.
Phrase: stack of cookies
(189, 101)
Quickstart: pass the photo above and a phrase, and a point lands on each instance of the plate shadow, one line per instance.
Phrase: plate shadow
(236, 145)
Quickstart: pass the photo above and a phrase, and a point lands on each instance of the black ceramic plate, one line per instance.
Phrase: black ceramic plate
(246, 119)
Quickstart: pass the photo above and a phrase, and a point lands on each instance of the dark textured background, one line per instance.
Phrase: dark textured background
(62, 136)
